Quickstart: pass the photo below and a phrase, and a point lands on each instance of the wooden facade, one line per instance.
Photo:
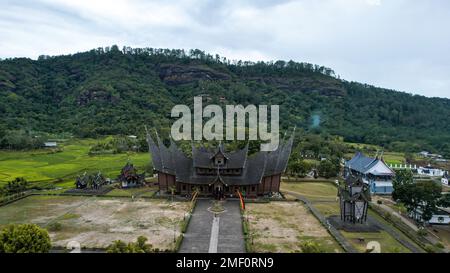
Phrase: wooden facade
(216, 172)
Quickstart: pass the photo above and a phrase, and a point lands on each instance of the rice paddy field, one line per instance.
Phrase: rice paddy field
(323, 196)
(97, 222)
(63, 166)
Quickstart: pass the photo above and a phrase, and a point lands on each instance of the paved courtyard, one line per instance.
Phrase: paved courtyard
(221, 234)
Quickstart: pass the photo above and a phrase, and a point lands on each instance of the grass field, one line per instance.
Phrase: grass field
(44, 165)
(312, 190)
(323, 197)
(284, 227)
(371, 150)
(145, 191)
(387, 244)
(96, 222)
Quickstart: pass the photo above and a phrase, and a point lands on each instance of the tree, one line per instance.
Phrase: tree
(140, 246)
(427, 195)
(444, 201)
(418, 197)
(328, 168)
(24, 238)
(299, 167)
(402, 181)
(19, 184)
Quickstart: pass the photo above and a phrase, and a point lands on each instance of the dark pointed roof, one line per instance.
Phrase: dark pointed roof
(350, 182)
(203, 157)
(253, 168)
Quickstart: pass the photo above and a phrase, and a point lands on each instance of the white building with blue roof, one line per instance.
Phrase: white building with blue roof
(374, 171)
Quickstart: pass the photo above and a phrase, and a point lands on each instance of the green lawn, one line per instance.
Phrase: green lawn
(44, 165)
(144, 191)
(370, 150)
(312, 190)
(394, 158)
(387, 243)
(38, 208)
(323, 197)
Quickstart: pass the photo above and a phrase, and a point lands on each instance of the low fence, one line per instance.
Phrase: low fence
(15, 197)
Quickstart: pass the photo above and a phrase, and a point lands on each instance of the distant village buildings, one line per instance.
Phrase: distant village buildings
(429, 171)
(445, 178)
(436, 157)
(373, 171)
(440, 217)
(50, 144)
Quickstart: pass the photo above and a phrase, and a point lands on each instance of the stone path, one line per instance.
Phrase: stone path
(221, 234)
(395, 213)
(429, 237)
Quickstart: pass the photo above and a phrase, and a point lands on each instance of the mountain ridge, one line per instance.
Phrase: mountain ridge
(112, 91)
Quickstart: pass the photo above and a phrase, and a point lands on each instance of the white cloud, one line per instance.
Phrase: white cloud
(373, 2)
(399, 44)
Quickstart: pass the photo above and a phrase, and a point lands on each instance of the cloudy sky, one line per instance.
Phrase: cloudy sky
(398, 44)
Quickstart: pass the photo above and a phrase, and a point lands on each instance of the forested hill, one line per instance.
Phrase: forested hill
(112, 91)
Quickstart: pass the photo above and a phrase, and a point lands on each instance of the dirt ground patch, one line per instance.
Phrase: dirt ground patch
(96, 222)
(284, 226)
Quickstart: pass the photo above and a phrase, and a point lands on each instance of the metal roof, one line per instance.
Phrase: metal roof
(363, 164)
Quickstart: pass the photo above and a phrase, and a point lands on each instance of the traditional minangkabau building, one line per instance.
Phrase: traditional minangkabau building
(90, 181)
(373, 171)
(354, 197)
(219, 173)
(130, 178)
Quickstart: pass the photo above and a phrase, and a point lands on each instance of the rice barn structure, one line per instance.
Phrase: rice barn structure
(219, 173)
(354, 197)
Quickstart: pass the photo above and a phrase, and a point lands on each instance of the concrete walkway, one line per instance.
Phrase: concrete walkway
(430, 237)
(405, 220)
(221, 234)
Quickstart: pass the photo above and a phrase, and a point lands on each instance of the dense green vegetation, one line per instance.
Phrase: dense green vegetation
(18, 185)
(421, 195)
(113, 91)
(24, 238)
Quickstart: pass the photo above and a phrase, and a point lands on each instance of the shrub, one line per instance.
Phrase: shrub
(422, 232)
(55, 226)
(430, 249)
(25, 238)
(139, 246)
(311, 247)
(379, 202)
(440, 245)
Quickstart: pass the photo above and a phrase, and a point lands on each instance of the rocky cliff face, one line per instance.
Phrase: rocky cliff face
(96, 94)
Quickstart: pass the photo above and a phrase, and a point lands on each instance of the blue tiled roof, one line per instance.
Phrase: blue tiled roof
(361, 163)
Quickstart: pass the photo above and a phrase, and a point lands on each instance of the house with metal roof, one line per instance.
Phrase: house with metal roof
(374, 171)
(217, 172)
